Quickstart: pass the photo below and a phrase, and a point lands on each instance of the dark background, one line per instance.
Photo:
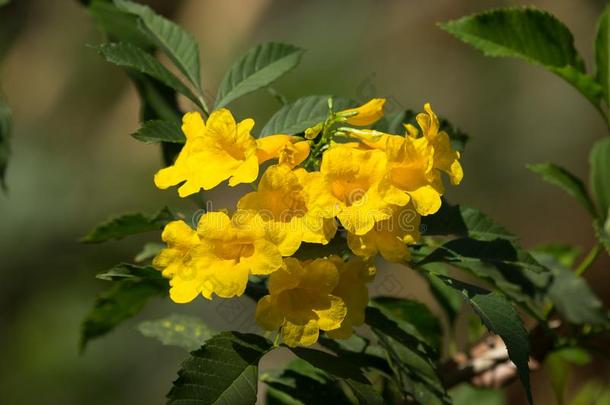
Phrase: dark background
(74, 163)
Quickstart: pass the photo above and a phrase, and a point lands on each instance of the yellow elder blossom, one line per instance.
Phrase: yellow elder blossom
(222, 149)
(389, 237)
(218, 258)
(300, 301)
(366, 114)
(353, 277)
(280, 202)
(347, 186)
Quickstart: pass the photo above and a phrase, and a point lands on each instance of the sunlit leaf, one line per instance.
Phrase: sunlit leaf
(183, 331)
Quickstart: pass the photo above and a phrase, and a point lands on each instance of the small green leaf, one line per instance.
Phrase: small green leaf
(530, 34)
(132, 57)
(565, 180)
(500, 318)
(600, 176)
(5, 132)
(602, 54)
(223, 371)
(259, 67)
(177, 44)
(125, 299)
(156, 131)
(183, 331)
(127, 270)
(128, 224)
(296, 117)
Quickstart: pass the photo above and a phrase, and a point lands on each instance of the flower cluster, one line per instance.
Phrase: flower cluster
(335, 181)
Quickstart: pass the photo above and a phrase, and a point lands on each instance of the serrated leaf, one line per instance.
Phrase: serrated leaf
(119, 25)
(602, 54)
(259, 67)
(157, 131)
(177, 44)
(530, 34)
(184, 331)
(127, 270)
(500, 318)
(223, 371)
(122, 301)
(599, 160)
(340, 370)
(565, 180)
(128, 224)
(296, 117)
(5, 132)
(132, 57)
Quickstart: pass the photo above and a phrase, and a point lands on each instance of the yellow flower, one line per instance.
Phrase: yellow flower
(289, 150)
(366, 114)
(445, 159)
(389, 237)
(353, 277)
(280, 202)
(218, 258)
(300, 301)
(214, 152)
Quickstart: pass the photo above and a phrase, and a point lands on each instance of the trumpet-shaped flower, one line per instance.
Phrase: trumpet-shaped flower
(280, 202)
(215, 151)
(353, 277)
(300, 301)
(347, 186)
(218, 258)
(389, 237)
(366, 114)
(289, 150)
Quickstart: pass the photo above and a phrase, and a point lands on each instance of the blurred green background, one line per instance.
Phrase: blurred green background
(74, 163)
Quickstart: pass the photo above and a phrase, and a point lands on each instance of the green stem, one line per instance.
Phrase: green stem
(588, 260)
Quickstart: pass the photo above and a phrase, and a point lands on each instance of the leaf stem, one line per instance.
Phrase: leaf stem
(588, 260)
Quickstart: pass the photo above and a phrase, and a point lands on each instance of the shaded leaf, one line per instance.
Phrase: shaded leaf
(257, 68)
(447, 297)
(177, 44)
(156, 131)
(184, 331)
(132, 57)
(565, 180)
(122, 301)
(296, 117)
(223, 371)
(558, 364)
(5, 150)
(128, 224)
(466, 394)
(600, 176)
(128, 270)
(603, 233)
(530, 34)
(149, 250)
(602, 54)
(119, 25)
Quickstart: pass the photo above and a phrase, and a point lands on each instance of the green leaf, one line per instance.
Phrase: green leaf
(603, 233)
(602, 54)
(128, 224)
(416, 314)
(125, 299)
(530, 34)
(466, 394)
(149, 250)
(127, 270)
(462, 220)
(132, 57)
(183, 331)
(259, 67)
(296, 117)
(177, 44)
(558, 364)
(341, 370)
(156, 131)
(500, 318)
(566, 255)
(118, 25)
(600, 176)
(447, 297)
(223, 371)
(565, 180)
(571, 295)
(5, 132)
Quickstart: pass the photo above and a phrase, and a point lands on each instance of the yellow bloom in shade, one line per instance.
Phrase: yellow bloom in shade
(215, 151)
(353, 277)
(280, 202)
(347, 186)
(389, 237)
(300, 301)
(289, 150)
(445, 159)
(367, 114)
(218, 258)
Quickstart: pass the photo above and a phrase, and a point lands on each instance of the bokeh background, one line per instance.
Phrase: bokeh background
(74, 163)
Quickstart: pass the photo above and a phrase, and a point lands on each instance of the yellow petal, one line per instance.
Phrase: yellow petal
(184, 291)
(193, 125)
(331, 318)
(426, 200)
(269, 147)
(367, 114)
(304, 335)
(247, 172)
(267, 314)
